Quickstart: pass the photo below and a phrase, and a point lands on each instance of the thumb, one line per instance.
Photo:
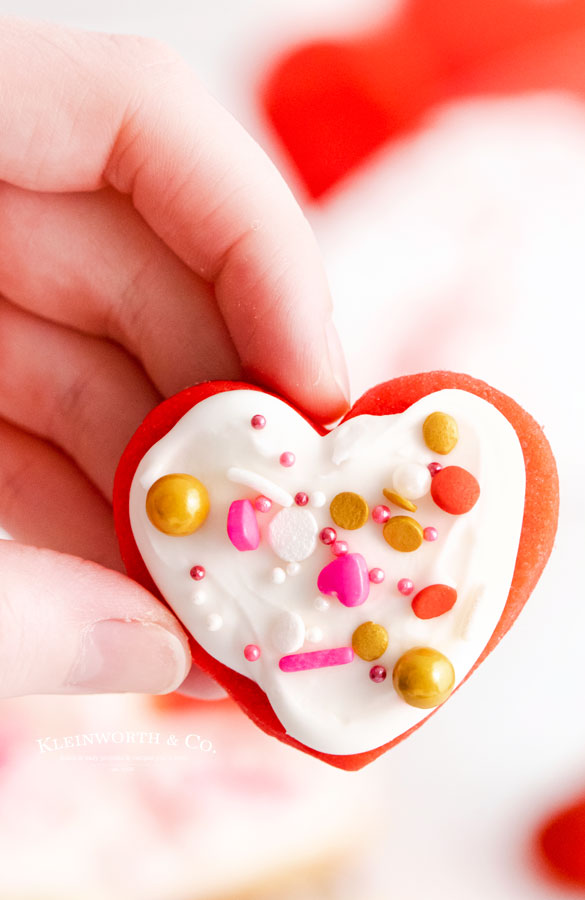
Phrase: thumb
(71, 626)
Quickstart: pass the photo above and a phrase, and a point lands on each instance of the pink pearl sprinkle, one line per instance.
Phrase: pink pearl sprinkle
(197, 572)
(378, 674)
(301, 499)
(287, 459)
(262, 503)
(258, 422)
(339, 548)
(328, 536)
(380, 514)
(251, 652)
(430, 533)
(434, 467)
(405, 586)
(377, 576)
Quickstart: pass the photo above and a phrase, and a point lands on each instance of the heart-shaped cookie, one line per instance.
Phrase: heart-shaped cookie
(340, 585)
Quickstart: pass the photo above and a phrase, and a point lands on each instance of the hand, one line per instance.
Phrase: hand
(146, 243)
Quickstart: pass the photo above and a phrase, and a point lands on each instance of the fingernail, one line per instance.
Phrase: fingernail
(117, 656)
(337, 359)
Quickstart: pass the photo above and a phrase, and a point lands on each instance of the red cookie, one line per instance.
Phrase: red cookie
(265, 618)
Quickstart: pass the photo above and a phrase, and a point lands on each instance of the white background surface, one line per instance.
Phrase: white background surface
(462, 247)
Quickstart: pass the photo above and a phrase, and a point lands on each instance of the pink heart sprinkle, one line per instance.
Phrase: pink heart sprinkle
(346, 578)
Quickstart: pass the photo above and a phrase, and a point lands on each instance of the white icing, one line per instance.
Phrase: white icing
(339, 709)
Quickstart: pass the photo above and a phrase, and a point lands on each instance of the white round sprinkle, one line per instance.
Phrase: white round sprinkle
(214, 622)
(321, 603)
(317, 499)
(293, 568)
(199, 598)
(411, 480)
(314, 635)
(292, 534)
(287, 632)
(278, 576)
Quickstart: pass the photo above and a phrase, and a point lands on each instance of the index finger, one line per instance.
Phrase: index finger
(80, 111)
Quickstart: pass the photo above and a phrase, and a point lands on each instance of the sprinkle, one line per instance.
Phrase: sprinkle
(252, 652)
(455, 490)
(433, 468)
(287, 632)
(405, 586)
(378, 674)
(349, 510)
(197, 573)
(258, 422)
(380, 514)
(287, 459)
(347, 579)
(177, 504)
(411, 480)
(301, 499)
(242, 527)
(403, 533)
(440, 432)
(314, 635)
(259, 483)
(430, 533)
(369, 640)
(423, 677)
(376, 576)
(293, 534)
(316, 659)
(317, 499)
(262, 504)
(399, 500)
(434, 600)
(214, 622)
(328, 536)
(199, 598)
(293, 568)
(278, 576)
(321, 603)
(339, 548)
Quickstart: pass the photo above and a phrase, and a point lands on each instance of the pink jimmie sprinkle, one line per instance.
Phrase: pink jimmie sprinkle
(197, 573)
(301, 499)
(430, 533)
(252, 652)
(258, 422)
(328, 536)
(263, 504)
(315, 659)
(434, 467)
(287, 459)
(339, 548)
(378, 674)
(380, 514)
(377, 576)
(405, 586)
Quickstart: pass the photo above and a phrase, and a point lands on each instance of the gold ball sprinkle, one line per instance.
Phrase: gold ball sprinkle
(177, 504)
(369, 641)
(349, 510)
(440, 432)
(423, 677)
(403, 533)
(398, 500)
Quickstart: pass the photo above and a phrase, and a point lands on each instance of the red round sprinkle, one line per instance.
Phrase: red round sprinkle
(258, 422)
(430, 533)
(263, 504)
(405, 586)
(376, 576)
(252, 652)
(380, 514)
(378, 674)
(287, 459)
(433, 601)
(328, 536)
(339, 548)
(455, 490)
(433, 468)
(301, 499)
(197, 572)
